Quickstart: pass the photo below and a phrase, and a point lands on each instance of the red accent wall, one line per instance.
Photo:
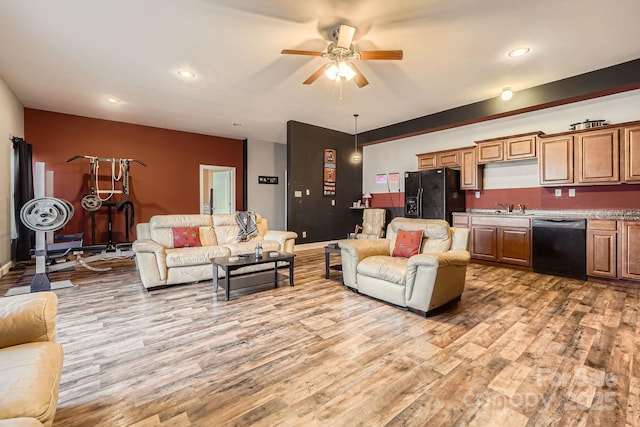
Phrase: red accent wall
(623, 196)
(170, 183)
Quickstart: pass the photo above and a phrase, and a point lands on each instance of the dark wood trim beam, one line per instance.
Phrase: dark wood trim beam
(606, 81)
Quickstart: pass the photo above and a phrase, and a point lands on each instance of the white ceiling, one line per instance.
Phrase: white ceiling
(69, 55)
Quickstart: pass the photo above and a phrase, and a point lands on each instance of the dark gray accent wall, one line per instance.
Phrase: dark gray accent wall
(314, 213)
(606, 81)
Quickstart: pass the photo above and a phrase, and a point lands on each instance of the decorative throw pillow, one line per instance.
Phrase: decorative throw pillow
(186, 237)
(408, 243)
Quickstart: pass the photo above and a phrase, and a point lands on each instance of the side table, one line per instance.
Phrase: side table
(331, 248)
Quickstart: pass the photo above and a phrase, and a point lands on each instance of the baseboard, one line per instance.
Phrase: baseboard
(5, 268)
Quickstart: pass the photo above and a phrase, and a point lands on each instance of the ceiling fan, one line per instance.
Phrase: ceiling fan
(340, 54)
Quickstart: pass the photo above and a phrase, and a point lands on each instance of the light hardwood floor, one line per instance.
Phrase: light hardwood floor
(519, 349)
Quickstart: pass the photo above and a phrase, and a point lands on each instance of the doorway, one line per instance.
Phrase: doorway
(217, 189)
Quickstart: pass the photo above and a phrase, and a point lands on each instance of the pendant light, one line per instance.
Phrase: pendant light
(355, 158)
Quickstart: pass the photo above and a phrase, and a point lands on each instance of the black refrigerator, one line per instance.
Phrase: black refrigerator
(433, 193)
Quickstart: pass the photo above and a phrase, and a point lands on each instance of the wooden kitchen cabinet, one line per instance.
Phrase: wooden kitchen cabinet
(555, 160)
(427, 161)
(439, 159)
(597, 156)
(470, 172)
(514, 245)
(580, 157)
(515, 147)
(501, 239)
(602, 246)
(631, 144)
(461, 220)
(448, 159)
(521, 147)
(463, 159)
(629, 251)
(490, 151)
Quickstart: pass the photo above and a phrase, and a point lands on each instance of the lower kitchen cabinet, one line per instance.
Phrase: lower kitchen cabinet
(602, 244)
(514, 245)
(501, 239)
(613, 249)
(630, 250)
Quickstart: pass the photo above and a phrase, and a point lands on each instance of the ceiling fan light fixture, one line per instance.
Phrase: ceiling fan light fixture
(332, 72)
(340, 70)
(346, 71)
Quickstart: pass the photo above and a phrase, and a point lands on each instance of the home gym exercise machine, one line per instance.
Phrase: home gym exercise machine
(42, 215)
(45, 215)
(98, 198)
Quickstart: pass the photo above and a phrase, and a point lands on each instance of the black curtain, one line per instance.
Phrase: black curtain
(23, 192)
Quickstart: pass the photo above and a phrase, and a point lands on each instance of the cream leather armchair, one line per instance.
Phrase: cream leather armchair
(30, 360)
(420, 283)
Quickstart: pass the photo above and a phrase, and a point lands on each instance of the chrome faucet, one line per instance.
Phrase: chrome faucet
(505, 206)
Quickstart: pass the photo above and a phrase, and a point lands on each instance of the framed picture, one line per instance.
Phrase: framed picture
(329, 171)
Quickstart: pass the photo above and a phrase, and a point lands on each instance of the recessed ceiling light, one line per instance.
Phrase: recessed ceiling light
(519, 52)
(187, 74)
(113, 100)
(506, 94)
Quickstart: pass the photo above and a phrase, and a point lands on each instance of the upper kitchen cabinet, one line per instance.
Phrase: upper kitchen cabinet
(581, 157)
(555, 160)
(471, 173)
(439, 159)
(515, 147)
(631, 144)
(598, 157)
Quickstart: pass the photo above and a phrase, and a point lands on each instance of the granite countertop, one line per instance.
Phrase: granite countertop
(627, 215)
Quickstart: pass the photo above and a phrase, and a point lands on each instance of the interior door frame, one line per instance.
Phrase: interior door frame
(232, 184)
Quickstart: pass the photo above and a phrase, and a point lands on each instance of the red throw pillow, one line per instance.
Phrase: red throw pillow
(186, 237)
(408, 243)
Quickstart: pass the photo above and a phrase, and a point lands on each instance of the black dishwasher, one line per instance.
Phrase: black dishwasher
(559, 247)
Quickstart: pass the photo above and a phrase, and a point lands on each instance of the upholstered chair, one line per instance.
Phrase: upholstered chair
(421, 281)
(372, 224)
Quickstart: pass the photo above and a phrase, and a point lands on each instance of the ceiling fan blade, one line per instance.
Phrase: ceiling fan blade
(345, 36)
(313, 77)
(359, 78)
(381, 54)
(300, 52)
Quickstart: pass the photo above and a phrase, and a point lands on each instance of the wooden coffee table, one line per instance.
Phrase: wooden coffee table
(232, 263)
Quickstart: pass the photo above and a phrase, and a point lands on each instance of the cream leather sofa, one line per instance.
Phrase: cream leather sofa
(160, 264)
(30, 360)
(420, 283)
